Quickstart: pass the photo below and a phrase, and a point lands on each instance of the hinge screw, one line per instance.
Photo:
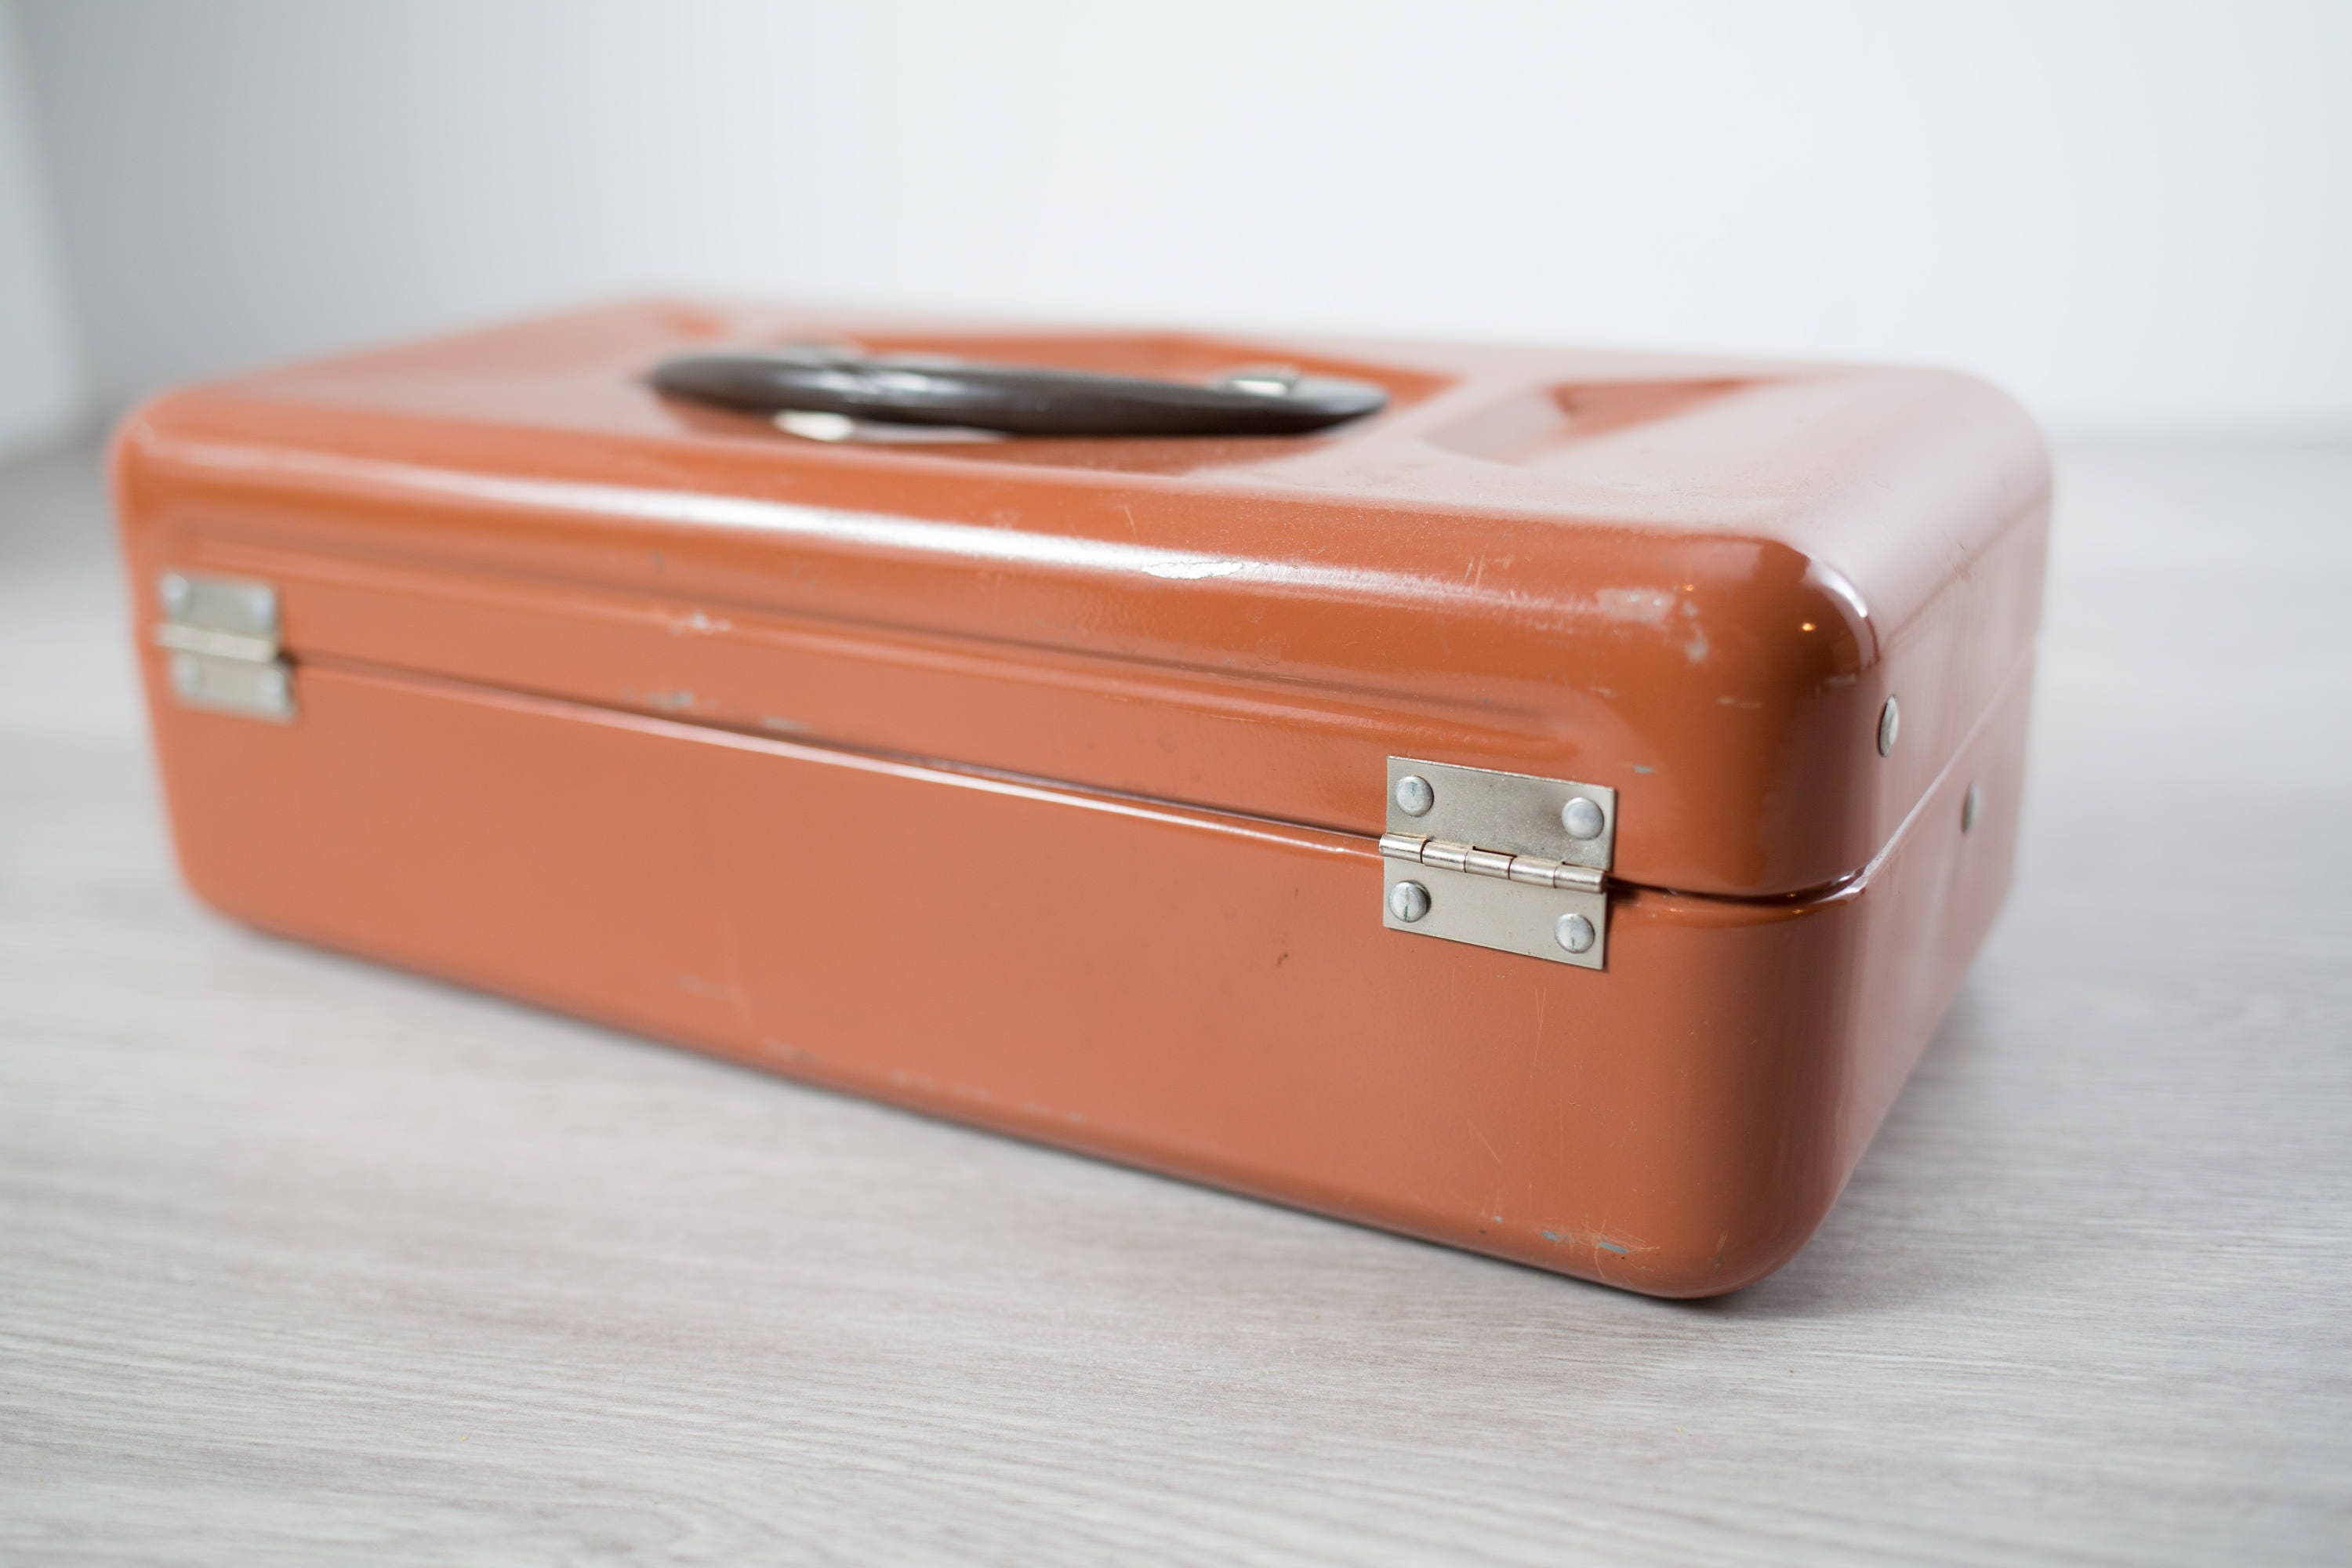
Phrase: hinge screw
(1890, 720)
(1582, 819)
(1575, 933)
(1408, 901)
(175, 591)
(1414, 797)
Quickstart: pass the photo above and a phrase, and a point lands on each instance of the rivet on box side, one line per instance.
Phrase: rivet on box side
(1890, 722)
(1583, 818)
(1574, 933)
(1408, 901)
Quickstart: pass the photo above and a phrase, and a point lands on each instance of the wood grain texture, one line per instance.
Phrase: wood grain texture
(302, 1260)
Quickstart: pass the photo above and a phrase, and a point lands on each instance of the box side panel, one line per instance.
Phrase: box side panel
(1194, 994)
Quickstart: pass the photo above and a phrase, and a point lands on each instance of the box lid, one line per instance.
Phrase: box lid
(1697, 581)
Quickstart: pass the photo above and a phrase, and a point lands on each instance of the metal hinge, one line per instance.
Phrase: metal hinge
(1500, 860)
(221, 634)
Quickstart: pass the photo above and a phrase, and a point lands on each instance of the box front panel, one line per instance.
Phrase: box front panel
(1207, 995)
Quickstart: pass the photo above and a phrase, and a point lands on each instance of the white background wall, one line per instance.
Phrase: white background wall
(2129, 213)
(41, 389)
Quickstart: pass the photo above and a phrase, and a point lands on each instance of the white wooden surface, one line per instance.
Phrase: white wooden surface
(301, 1261)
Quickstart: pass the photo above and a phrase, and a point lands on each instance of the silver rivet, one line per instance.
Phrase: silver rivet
(1574, 933)
(173, 589)
(185, 676)
(1408, 901)
(1890, 720)
(1970, 803)
(1413, 795)
(1265, 381)
(1583, 818)
(815, 425)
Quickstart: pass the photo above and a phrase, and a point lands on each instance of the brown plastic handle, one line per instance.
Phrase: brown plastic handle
(1017, 400)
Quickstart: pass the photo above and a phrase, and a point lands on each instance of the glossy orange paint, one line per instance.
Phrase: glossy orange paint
(1036, 783)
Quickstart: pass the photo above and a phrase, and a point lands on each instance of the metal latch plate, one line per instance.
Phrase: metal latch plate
(220, 637)
(1485, 912)
(234, 686)
(1506, 861)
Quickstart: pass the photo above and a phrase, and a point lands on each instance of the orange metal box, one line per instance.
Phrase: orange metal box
(1546, 814)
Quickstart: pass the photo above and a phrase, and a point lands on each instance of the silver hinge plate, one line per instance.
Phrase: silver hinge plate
(1499, 861)
(220, 638)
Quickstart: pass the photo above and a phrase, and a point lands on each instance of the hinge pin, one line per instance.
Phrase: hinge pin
(1533, 870)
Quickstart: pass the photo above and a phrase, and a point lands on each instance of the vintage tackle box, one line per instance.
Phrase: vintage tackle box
(1535, 800)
